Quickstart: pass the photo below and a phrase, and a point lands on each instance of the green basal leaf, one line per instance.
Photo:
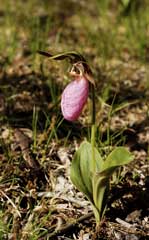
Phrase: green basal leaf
(100, 184)
(118, 157)
(81, 169)
(96, 213)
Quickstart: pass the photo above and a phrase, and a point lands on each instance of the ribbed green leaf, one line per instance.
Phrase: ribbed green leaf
(100, 186)
(118, 157)
(81, 168)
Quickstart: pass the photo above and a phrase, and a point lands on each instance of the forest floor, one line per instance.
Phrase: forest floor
(37, 198)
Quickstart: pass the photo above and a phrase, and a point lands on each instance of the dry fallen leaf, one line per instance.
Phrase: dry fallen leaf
(23, 142)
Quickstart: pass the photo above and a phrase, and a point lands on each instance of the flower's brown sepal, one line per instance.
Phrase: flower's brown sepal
(78, 62)
(72, 56)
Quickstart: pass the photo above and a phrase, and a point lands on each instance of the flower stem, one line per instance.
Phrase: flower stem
(93, 129)
(93, 145)
(93, 104)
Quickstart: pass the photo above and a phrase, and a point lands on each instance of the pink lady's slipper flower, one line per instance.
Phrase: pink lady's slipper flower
(76, 93)
(74, 96)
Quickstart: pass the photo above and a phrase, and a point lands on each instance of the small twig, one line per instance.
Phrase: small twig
(123, 223)
(125, 227)
(11, 202)
(67, 227)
